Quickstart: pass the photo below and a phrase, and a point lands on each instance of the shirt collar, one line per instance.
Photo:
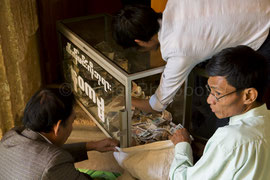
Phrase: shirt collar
(45, 138)
(258, 111)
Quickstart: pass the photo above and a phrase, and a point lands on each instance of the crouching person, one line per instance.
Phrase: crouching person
(239, 150)
(37, 150)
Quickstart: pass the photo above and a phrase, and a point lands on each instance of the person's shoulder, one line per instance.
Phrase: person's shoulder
(42, 151)
(31, 156)
(53, 154)
(226, 131)
(233, 136)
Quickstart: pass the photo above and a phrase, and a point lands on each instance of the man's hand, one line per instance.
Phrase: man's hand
(104, 145)
(143, 105)
(181, 135)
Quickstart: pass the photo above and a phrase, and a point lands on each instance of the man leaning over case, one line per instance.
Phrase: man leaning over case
(190, 32)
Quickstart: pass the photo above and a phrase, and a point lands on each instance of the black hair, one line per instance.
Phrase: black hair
(46, 107)
(135, 22)
(242, 67)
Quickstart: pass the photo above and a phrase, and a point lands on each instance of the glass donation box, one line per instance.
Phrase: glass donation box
(104, 78)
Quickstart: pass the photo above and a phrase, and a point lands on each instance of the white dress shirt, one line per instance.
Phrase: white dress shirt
(239, 150)
(192, 31)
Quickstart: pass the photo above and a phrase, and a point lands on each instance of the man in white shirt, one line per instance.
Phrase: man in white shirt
(190, 32)
(240, 150)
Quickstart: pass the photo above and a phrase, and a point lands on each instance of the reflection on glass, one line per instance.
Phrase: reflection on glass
(100, 93)
(148, 127)
(96, 31)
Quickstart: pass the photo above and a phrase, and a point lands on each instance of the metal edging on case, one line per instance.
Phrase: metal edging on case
(115, 71)
(128, 109)
(99, 58)
(103, 61)
(123, 129)
(75, 19)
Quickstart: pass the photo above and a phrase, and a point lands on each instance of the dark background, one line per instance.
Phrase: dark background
(50, 11)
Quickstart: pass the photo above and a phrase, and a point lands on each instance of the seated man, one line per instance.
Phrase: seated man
(36, 150)
(240, 150)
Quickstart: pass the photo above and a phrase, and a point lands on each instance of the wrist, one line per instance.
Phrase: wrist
(90, 146)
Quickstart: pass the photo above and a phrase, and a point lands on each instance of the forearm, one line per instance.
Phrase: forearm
(77, 150)
(172, 78)
(143, 104)
(91, 146)
(104, 145)
(182, 161)
(61, 166)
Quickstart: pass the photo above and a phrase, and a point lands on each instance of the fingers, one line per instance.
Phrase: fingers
(181, 135)
(109, 148)
(112, 142)
(182, 130)
(107, 144)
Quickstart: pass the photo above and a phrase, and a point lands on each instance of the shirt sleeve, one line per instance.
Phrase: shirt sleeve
(77, 150)
(182, 160)
(214, 164)
(61, 166)
(217, 162)
(175, 73)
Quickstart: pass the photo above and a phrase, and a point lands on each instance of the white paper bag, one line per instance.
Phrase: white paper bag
(147, 162)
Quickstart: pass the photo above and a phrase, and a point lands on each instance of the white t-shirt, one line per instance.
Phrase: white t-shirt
(193, 31)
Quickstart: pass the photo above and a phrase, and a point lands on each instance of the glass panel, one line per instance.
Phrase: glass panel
(96, 31)
(147, 127)
(100, 93)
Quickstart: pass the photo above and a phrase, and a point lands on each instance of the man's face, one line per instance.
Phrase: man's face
(66, 130)
(229, 105)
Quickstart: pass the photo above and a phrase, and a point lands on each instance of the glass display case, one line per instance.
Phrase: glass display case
(104, 78)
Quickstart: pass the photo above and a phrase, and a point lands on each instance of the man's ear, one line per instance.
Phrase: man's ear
(141, 43)
(250, 95)
(56, 128)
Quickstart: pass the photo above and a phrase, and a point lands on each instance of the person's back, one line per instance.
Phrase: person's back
(27, 155)
(199, 29)
(37, 150)
(191, 32)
